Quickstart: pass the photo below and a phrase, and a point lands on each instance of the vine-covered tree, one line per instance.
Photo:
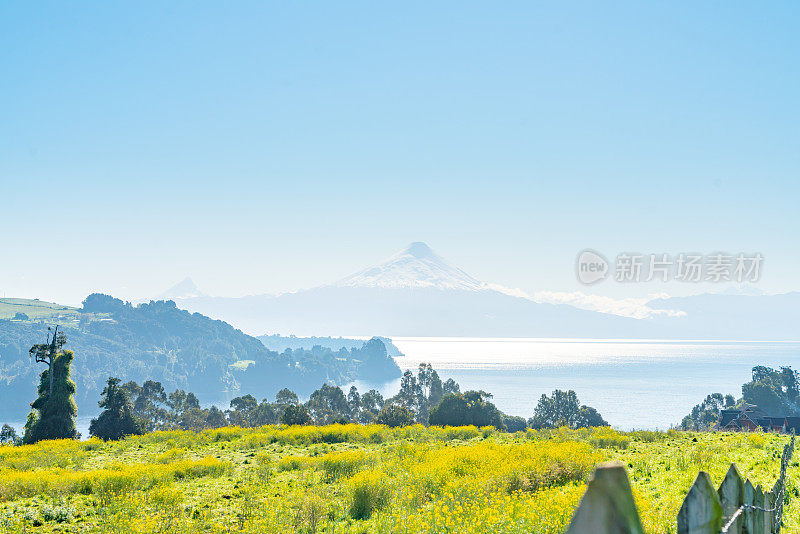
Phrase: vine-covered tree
(53, 414)
(116, 420)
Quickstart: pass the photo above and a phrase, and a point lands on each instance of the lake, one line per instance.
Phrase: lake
(632, 383)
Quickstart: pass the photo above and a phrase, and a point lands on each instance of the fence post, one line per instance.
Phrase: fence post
(749, 513)
(777, 516)
(607, 507)
(731, 496)
(769, 500)
(758, 521)
(701, 511)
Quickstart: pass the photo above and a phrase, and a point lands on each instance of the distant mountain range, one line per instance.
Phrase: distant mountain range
(418, 293)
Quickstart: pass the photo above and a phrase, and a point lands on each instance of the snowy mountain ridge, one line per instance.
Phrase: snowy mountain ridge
(416, 266)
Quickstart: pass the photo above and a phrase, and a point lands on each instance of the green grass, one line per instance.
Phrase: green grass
(359, 479)
(36, 309)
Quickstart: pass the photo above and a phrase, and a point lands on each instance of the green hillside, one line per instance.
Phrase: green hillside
(182, 350)
(37, 309)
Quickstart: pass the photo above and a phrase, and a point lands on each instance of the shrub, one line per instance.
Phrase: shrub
(342, 464)
(292, 463)
(369, 493)
(170, 455)
(757, 440)
(167, 496)
(309, 514)
(608, 438)
(57, 513)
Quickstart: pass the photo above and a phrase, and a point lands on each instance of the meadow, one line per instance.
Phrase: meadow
(362, 479)
(36, 309)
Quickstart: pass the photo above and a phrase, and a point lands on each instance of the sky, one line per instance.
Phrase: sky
(262, 147)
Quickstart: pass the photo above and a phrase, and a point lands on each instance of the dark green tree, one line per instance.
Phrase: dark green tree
(588, 417)
(216, 418)
(791, 383)
(469, 408)
(775, 392)
(562, 408)
(431, 391)
(295, 415)
(286, 397)
(514, 423)
(452, 410)
(354, 403)
(436, 391)
(8, 436)
(116, 420)
(328, 405)
(395, 416)
(264, 414)
(371, 404)
(242, 411)
(450, 387)
(410, 395)
(54, 412)
(705, 415)
(149, 404)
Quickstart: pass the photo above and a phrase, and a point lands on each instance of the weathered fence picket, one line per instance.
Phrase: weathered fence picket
(758, 502)
(731, 496)
(737, 507)
(749, 512)
(701, 511)
(607, 507)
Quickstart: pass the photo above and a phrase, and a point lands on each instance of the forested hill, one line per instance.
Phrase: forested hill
(280, 343)
(158, 341)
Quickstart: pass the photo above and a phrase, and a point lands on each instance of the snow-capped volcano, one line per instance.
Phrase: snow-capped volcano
(416, 266)
(185, 289)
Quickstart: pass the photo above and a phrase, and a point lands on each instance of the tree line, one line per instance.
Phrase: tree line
(423, 398)
(776, 391)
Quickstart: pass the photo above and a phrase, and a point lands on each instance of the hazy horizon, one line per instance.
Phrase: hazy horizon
(262, 148)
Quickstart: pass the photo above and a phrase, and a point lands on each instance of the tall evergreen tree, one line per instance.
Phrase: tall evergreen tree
(53, 415)
(117, 420)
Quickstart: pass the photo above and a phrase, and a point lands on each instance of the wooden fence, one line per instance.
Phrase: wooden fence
(736, 507)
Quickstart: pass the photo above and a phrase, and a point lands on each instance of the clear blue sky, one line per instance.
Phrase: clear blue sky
(262, 147)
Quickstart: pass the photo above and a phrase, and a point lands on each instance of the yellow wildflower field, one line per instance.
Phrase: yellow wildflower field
(362, 479)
